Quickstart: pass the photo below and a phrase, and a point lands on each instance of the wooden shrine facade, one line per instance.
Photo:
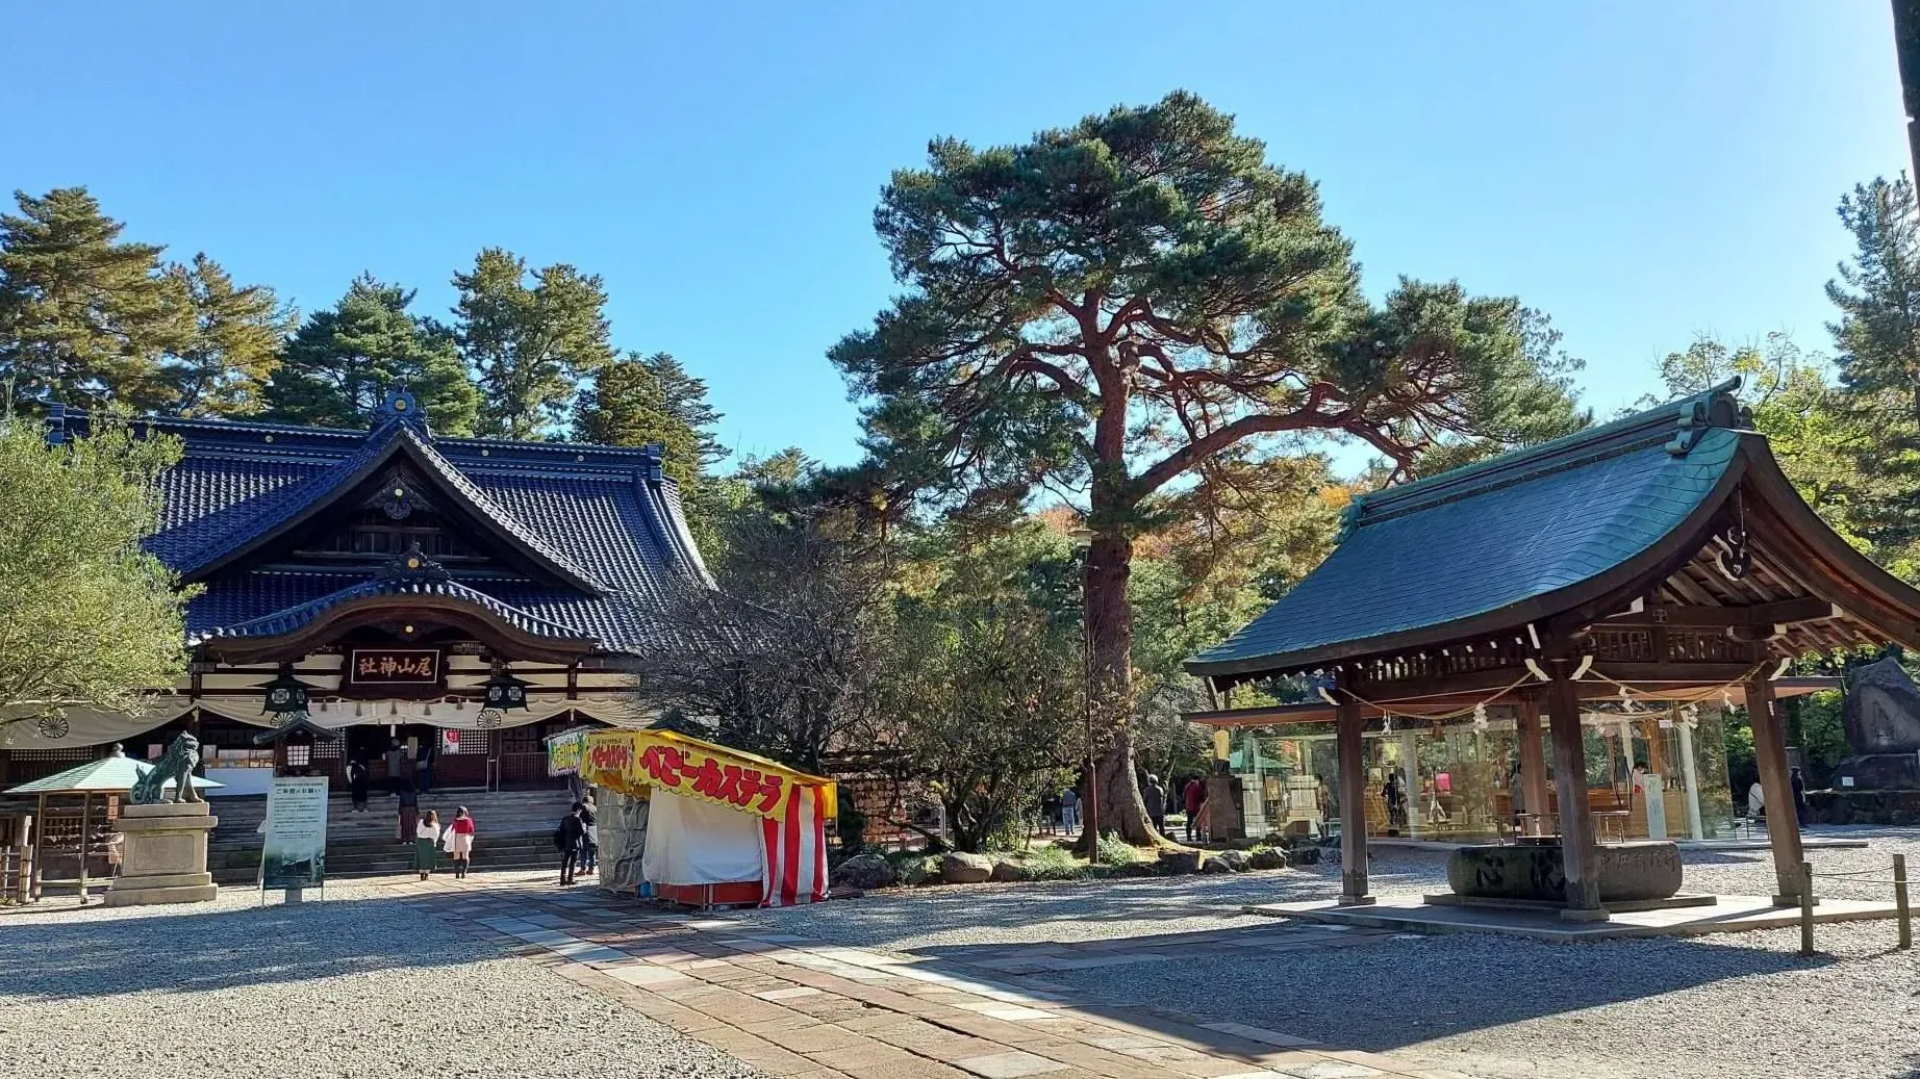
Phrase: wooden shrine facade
(1663, 557)
(471, 592)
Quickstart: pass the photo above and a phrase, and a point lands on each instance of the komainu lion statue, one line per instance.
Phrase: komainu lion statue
(176, 764)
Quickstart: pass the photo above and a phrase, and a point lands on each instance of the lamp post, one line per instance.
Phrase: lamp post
(1083, 542)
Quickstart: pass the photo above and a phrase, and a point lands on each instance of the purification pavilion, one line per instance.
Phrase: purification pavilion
(1661, 557)
(460, 595)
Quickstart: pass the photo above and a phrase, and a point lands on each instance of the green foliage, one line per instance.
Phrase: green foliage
(1116, 852)
(86, 617)
(640, 400)
(341, 360)
(1058, 863)
(529, 345)
(235, 347)
(84, 315)
(1878, 338)
(981, 683)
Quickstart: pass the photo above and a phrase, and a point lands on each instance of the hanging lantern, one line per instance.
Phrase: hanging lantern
(504, 692)
(286, 696)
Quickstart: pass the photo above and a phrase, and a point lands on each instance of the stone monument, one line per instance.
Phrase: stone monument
(623, 839)
(163, 858)
(1882, 721)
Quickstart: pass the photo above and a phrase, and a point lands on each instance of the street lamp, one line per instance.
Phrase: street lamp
(1083, 542)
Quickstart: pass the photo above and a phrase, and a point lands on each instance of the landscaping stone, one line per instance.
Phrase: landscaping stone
(920, 870)
(1006, 869)
(1180, 862)
(1214, 865)
(865, 871)
(957, 867)
(1305, 856)
(1267, 858)
(1234, 860)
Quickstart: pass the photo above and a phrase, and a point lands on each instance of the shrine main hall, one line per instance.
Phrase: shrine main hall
(465, 597)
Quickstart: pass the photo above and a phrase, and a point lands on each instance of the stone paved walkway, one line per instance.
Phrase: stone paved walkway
(802, 1009)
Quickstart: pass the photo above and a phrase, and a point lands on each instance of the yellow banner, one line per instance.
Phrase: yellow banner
(637, 762)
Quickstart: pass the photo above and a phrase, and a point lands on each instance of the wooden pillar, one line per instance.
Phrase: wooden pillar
(1776, 786)
(1577, 850)
(1353, 804)
(1533, 758)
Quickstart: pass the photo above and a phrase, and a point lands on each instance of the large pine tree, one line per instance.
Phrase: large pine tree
(637, 400)
(342, 359)
(84, 315)
(529, 345)
(237, 337)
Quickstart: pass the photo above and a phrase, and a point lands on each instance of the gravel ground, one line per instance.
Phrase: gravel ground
(1742, 1006)
(357, 986)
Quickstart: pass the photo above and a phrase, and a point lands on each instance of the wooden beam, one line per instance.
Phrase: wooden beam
(1533, 760)
(1353, 805)
(1776, 786)
(1784, 612)
(1577, 851)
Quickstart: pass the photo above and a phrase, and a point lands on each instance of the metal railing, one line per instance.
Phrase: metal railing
(1903, 914)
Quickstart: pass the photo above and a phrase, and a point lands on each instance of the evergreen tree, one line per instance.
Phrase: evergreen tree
(1138, 303)
(1878, 342)
(636, 400)
(236, 342)
(341, 360)
(85, 316)
(529, 346)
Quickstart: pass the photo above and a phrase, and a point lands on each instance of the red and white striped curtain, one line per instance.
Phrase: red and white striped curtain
(796, 851)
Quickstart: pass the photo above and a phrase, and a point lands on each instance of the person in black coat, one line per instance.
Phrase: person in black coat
(571, 838)
(358, 777)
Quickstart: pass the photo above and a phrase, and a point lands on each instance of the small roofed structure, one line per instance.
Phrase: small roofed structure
(1661, 557)
(109, 777)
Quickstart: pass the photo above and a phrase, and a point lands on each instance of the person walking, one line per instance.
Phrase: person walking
(590, 856)
(396, 768)
(408, 814)
(460, 842)
(1799, 783)
(1194, 798)
(571, 839)
(1156, 796)
(357, 778)
(1069, 811)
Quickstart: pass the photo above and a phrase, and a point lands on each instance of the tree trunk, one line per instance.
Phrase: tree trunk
(1109, 625)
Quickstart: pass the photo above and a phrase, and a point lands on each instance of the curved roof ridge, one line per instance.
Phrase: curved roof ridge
(291, 618)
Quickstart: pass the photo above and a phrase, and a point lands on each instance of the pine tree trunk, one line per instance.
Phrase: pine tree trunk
(1118, 806)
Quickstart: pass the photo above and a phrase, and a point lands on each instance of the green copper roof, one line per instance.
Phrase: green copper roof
(1488, 536)
(109, 775)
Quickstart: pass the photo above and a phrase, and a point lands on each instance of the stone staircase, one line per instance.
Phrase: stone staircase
(514, 831)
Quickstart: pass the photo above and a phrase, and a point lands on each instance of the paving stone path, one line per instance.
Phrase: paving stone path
(802, 1009)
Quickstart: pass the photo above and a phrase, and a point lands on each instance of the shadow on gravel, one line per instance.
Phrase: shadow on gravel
(191, 952)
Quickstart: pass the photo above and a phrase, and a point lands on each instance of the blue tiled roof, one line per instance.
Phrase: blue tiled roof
(288, 619)
(1420, 558)
(601, 524)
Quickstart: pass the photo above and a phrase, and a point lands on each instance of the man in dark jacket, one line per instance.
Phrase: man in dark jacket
(571, 838)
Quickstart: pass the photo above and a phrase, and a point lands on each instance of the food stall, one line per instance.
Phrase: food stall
(720, 827)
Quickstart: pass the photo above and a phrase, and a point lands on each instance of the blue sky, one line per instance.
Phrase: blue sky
(1641, 170)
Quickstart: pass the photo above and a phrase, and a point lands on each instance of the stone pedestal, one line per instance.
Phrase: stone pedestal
(1536, 872)
(163, 855)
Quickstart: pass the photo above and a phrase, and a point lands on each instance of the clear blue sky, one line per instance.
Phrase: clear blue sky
(1640, 170)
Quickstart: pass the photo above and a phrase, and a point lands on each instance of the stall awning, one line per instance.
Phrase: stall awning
(636, 762)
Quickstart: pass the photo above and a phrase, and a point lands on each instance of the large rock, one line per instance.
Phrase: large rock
(1180, 862)
(958, 867)
(1006, 869)
(1626, 871)
(1267, 858)
(1234, 860)
(1306, 855)
(623, 839)
(1882, 710)
(865, 872)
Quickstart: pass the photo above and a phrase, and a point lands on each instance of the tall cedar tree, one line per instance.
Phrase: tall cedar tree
(237, 336)
(1139, 303)
(1878, 342)
(529, 345)
(341, 360)
(84, 316)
